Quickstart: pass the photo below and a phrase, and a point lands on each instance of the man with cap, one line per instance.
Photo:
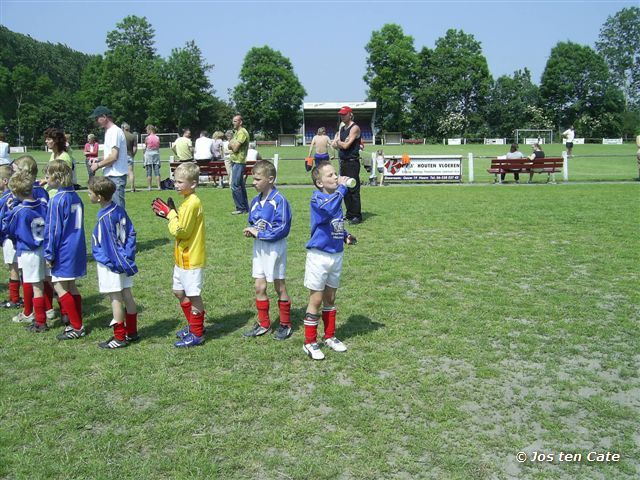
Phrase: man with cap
(347, 142)
(115, 161)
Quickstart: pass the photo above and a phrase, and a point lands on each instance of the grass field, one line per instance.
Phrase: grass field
(481, 322)
(591, 163)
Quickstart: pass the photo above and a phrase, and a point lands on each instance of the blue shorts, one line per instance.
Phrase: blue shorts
(321, 157)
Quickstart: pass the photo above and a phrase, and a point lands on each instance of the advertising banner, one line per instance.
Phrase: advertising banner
(423, 168)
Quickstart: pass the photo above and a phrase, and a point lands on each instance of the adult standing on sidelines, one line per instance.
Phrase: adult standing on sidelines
(347, 142)
(115, 161)
(204, 148)
(5, 158)
(132, 149)
(183, 148)
(569, 134)
(239, 146)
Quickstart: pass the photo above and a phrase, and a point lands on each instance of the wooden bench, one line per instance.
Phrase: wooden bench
(548, 165)
(215, 170)
(270, 143)
(413, 141)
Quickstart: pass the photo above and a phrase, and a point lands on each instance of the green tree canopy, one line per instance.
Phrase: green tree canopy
(269, 95)
(619, 44)
(508, 103)
(576, 85)
(391, 70)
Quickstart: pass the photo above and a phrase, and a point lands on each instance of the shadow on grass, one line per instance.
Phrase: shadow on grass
(152, 244)
(221, 326)
(161, 328)
(94, 305)
(357, 325)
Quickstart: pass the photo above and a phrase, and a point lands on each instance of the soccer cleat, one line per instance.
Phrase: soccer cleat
(313, 350)
(112, 343)
(132, 338)
(256, 331)
(189, 340)
(185, 331)
(282, 332)
(51, 314)
(334, 344)
(70, 333)
(10, 304)
(37, 327)
(22, 318)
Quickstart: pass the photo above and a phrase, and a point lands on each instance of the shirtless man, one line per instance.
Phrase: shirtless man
(322, 143)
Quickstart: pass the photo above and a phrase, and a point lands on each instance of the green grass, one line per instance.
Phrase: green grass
(480, 322)
(590, 163)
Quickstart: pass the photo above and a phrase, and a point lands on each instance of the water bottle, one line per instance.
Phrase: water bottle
(351, 182)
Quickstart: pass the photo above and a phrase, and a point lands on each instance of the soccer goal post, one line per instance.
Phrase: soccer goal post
(532, 135)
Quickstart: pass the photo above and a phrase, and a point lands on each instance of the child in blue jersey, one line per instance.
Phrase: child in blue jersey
(7, 202)
(64, 245)
(26, 228)
(26, 163)
(269, 224)
(113, 245)
(324, 258)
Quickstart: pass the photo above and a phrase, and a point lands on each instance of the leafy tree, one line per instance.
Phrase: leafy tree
(134, 32)
(576, 82)
(22, 83)
(391, 69)
(452, 78)
(269, 95)
(619, 44)
(508, 101)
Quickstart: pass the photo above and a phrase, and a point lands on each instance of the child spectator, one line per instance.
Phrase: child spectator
(7, 202)
(187, 225)
(379, 166)
(113, 245)
(324, 258)
(91, 150)
(64, 246)
(26, 228)
(269, 224)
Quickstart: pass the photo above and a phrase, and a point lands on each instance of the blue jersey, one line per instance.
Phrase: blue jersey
(7, 202)
(113, 242)
(40, 193)
(327, 221)
(271, 216)
(26, 225)
(64, 242)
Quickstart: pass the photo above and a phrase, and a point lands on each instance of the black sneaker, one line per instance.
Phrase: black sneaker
(70, 333)
(113, 343)
(132, 338)
(10, 304)
(37, 328)
(282, 332)
(256, 331)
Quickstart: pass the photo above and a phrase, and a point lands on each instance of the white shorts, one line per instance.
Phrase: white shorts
(9, 251)
(322, 269)
(32, 265)
(111, 282)
(55, 279)
(270, 259)
(188, 280)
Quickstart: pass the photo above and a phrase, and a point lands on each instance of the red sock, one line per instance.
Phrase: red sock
(48, 296)
(38, 307)
(263, 312)
(329, 320)
(285, 312)
(196, 324)
(14, 290)
(131, 324)
(119, 331)
(69, 305)
(311, 327)
(186, 309)
(27, 292)
(77, 300)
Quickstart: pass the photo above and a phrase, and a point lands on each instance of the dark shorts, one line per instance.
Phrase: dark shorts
(569, 144)
(321, 157)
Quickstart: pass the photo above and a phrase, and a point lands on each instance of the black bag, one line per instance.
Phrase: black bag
(167, 184)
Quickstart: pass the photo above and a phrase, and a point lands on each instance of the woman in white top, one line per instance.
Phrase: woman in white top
(5, 158)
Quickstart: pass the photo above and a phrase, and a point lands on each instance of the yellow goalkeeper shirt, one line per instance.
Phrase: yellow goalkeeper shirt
(188, 227)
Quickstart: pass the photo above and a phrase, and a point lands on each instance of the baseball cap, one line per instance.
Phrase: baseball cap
(344, 110)
(100, 111)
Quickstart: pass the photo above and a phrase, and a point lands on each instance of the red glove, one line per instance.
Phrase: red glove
(162, 209)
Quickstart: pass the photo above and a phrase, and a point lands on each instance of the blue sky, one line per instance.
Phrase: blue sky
(324, 39)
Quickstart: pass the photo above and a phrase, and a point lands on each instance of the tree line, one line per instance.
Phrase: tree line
(432, 92)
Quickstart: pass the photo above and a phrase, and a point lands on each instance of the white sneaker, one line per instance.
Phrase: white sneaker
(313, 350)
(334, 344)
(51, 314)
(22, 318)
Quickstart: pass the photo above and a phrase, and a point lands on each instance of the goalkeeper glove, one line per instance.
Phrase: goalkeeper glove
(162, 209)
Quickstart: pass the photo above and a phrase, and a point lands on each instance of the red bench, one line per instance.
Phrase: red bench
(271, 143)
(215, 169)
(413, 141)
(548, 165)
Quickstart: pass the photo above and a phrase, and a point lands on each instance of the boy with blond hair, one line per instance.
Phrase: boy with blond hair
(113, 245)
(65, 249)
(26, 228)
(186, 224)
(269, 224)
(324, 258)
(7, 202)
